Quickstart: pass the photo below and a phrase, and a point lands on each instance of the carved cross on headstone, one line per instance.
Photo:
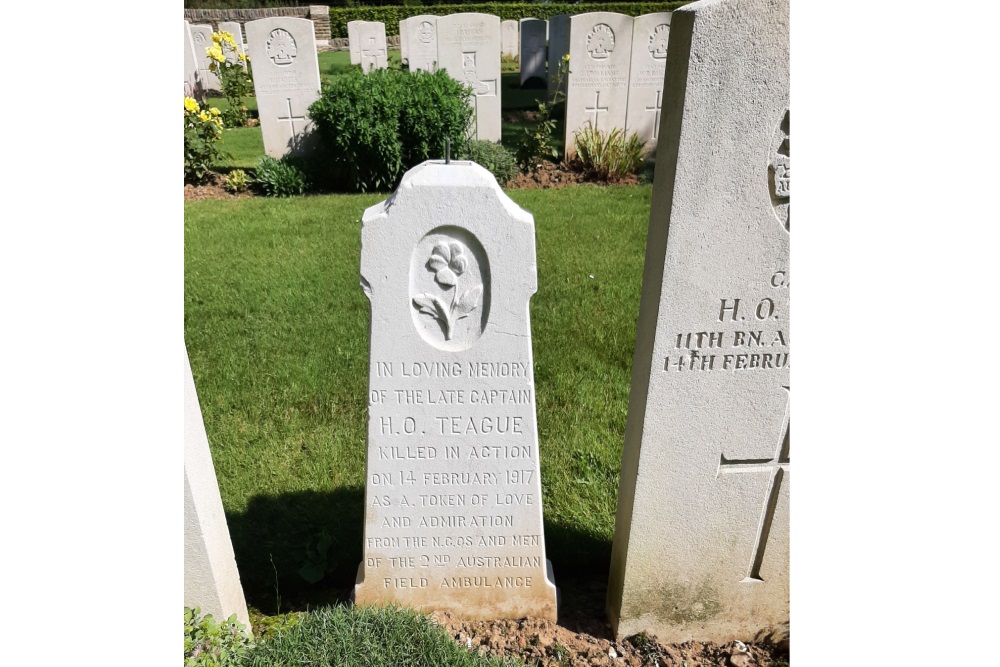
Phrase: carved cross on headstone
(290, 119)
(596, 109)
(776, 467)
(371, 54)
(659, 102)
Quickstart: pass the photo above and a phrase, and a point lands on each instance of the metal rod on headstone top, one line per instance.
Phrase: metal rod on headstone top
(447, 151)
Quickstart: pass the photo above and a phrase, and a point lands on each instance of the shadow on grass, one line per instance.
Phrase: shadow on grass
(277, 535)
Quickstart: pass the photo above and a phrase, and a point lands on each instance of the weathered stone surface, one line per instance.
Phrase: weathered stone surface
(286, 81)
(701, 536)
(645, 93)
(201, 36)
(404, 42)
(534, 33)
(192, 86)
(422, 35)
(233, 55)
(469, 49)
(352, 38)
(509, 38)
(371, 44)
(558, 48)
(453, 514)
(211, 580)
(600, 52)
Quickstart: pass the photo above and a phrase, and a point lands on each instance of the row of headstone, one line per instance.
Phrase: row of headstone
(367, 45)
(616, 68)
(453, 506)
(534, 37)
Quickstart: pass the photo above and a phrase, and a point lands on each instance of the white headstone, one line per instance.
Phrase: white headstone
(558, 48)
(453, 505)
(701, 534)
(285, 80)
(423, 42)
(201, 36)
(192, 85)
(600, 52)
(533, 55)
(649, 58)
(211, 579)
(371, 43)
(404, 39)
(353, 44)
(233, 55)
(469, 49)
(509, 38)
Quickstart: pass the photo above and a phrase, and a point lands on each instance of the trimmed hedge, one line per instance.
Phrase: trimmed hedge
(391, 16)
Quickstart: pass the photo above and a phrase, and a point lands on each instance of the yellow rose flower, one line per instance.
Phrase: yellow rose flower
(243, 56)
(228, 38)
(566, 57)
(216, 37)
(215, 53)
(213, 111)
(190, 105)
(203, 116)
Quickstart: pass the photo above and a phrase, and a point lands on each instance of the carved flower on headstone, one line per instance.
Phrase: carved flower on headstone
(448, 262)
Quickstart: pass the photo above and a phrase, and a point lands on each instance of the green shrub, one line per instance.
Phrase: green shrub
(211, 644)
(496, 158)
(392, 15)
(202, 133)
(371, 128)
(236, 181)
(279, 178)
(608, 156)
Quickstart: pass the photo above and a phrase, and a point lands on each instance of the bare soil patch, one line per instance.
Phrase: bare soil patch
(214, 187)
(552, 175)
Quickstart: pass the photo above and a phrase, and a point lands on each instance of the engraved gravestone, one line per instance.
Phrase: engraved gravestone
(600, 52)
(233, 55)
(423, 42)
(558, 48)
(404, 42)
(211, 579)
(509, 38)
(371, 42)
(201, 36)
(645, 92)
(353, 45)
(192, 86)
(701, 534)
(285, 81)
(533, 38)
(469, 49)
(453, 514)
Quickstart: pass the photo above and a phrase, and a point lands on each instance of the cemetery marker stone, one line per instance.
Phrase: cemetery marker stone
(423, 42)
(600, 53)
(211, 580)
(509, 38)
(469, 49)
(286, 81)
(701, 534)
(233, 55)
(404, 42)
(371, 41)
(533, 38)
(558, 48)
(353, 45)
(192, 85)
(453, 514)
(201, 36)
(649, 58)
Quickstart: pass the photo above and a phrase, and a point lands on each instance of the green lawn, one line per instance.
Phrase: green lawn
(277, 332)
(245, 145)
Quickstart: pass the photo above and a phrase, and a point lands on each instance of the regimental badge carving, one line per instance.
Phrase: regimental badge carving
(198, 37)
(601, 41)
(281, 47)
(470, 75)
(779, 172)
(426, 32)
(449, 288)
(658, 41)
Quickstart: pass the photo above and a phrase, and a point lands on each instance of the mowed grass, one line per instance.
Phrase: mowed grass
(276, 327)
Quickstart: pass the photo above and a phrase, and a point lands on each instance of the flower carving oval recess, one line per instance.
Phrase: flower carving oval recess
(449, 288)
